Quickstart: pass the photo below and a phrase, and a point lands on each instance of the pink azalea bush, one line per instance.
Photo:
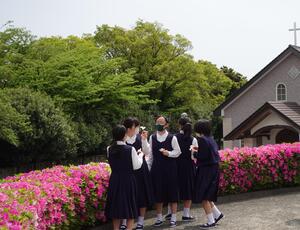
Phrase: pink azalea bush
(248, 169)
(60, 197)
(68, 197)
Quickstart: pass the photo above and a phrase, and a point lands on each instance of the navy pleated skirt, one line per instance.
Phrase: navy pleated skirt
(145, 197)
(165, 181)
(121, 200)
(206, 183)
(186, 178)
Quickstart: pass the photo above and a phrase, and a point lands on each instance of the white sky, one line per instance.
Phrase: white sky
(242, 34)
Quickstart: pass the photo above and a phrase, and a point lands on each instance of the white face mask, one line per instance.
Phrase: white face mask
(137, 130)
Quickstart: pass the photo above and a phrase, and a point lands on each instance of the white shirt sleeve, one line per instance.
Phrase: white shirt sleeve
(107, 151)
(176, 149)
(137, 160)
(149, 157)
(195, 144)
(146, 149)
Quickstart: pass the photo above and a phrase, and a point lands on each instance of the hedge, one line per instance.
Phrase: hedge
(69, 197)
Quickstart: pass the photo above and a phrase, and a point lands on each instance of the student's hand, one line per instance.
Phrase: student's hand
(140, 152)
(144, 135)
(164, 152)
(193, 148)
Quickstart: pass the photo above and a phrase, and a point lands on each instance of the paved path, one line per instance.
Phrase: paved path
(266, 210)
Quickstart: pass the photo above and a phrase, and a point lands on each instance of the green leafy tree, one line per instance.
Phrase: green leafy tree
(12, 123)
(14, 44)
(49, 133)
(238, 80)
(97, 80)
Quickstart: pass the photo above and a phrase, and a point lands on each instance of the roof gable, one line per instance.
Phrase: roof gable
(290, 111)
(290, 50)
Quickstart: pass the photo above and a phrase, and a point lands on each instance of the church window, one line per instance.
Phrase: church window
(281, 92)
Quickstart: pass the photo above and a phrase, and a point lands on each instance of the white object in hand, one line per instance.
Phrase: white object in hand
(191, 147)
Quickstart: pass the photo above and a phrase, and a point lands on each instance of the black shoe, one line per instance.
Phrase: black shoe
(188, 218)
(207, 226)
(173, 224)
(139, 227)
(123, 227)
(168, 216)
(158, 223)
(219, 218)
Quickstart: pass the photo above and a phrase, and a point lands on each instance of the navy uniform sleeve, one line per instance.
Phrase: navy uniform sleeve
(203, 153)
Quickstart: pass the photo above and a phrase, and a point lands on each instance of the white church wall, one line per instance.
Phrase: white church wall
(249, 142)
(265, 90)
(228, 144)
(227, 125)
(272, 119)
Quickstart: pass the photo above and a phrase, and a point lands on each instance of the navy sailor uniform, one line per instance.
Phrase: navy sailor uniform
(164, 168)
(186, 166)
(122, 191)
(142, 175)
(207, 174)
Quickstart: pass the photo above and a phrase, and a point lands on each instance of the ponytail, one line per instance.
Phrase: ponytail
(187, 130)
(186, 125)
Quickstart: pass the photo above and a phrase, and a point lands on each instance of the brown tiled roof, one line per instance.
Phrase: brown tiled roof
(289, 109)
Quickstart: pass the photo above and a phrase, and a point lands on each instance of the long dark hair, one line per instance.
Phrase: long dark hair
(118, 134)
(186, 126)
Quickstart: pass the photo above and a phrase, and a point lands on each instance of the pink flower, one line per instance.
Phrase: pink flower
(43, 199)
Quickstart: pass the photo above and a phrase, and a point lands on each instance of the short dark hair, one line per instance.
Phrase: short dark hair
(129, 122)
(203, 127)
(118, 132)
(136, 121)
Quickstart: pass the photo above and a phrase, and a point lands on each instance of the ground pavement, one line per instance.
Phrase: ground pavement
(266, 210)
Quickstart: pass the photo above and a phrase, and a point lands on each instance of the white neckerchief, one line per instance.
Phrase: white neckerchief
(131, 140)
(121, 143)
(162, 138)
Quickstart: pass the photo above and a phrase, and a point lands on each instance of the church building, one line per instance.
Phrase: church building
(266, 110)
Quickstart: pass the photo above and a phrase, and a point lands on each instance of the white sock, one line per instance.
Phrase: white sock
(124, 222)
(216, 212)
(173, 217)
(140, 220)
(210, 218)
(186, 212)
(169, 209)
(159, 217)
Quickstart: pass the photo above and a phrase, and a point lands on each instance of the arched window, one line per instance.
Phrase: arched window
(281, 92)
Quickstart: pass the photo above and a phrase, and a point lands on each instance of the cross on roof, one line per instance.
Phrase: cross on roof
(295, 33)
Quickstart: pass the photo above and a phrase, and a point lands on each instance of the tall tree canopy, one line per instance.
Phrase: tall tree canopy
(92, 82)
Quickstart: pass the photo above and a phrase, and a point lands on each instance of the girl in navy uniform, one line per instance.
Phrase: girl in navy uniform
(185, 164)
(144, 184)
(164, 151)
(207, 174)
(122, 192)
